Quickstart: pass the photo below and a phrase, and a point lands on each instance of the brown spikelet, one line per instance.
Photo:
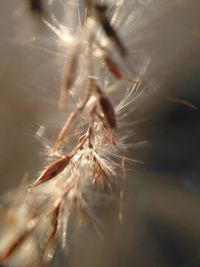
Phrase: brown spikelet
(110, 62)
(52, 171)
(51, 242)
(69, 77)
(108, 28)
(67, 129)
(108, 111)
(113, 67)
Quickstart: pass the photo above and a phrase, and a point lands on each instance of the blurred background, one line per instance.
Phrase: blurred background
(161, 226)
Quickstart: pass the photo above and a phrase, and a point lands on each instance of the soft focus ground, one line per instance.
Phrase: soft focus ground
(162, 203)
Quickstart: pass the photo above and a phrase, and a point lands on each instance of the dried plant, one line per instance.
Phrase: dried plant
(101, 84)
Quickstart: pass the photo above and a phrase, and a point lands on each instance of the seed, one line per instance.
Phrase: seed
(52, 171)
(108, 111)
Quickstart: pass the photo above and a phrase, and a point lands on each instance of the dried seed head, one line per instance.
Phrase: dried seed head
(89, 162)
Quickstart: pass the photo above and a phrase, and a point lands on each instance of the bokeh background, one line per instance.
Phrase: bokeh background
(161, 225)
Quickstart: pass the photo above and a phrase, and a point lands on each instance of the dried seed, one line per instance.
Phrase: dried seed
(70, 125)
(69, 77)
(52, 171)
(50, 245)
(108, 29)
(113, 67)
(108, 111)
(67, 129)
(105, 104)
(111, 64)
